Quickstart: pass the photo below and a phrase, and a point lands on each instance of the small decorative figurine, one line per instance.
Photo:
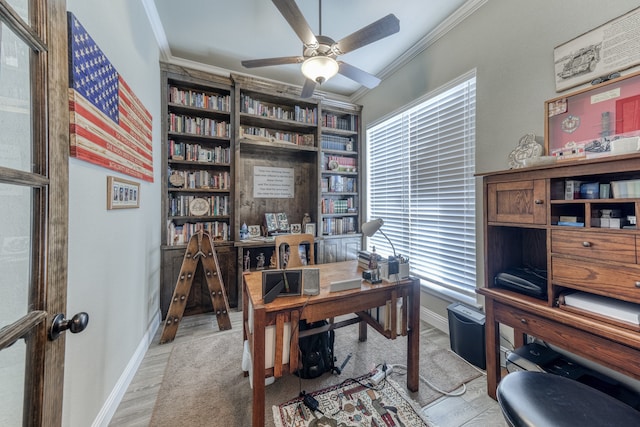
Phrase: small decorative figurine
(306, 219)
(260, 259)
(247, 261)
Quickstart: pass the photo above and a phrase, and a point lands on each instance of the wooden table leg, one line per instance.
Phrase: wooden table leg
(259, 320)
(413, 338)
(492, 348)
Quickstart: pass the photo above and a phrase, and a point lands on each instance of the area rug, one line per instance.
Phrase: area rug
(352, 403)
(203, 383)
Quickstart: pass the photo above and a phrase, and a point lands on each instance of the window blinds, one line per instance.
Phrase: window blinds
(421, 183)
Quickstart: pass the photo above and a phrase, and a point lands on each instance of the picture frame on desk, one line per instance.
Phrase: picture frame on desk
(122, 193)
(310, 228)
(274, 284)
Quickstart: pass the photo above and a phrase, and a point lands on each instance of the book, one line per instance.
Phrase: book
(605, 306)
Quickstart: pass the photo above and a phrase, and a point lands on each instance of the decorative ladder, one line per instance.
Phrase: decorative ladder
(199, 249)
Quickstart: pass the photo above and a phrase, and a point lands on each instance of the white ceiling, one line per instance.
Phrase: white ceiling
(222, 33)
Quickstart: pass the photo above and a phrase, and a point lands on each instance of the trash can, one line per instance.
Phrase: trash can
(466, 333)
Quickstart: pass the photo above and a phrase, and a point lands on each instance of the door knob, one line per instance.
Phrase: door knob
(78, 323)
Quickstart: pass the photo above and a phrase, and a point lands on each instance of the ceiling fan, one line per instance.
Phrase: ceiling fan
(319, 52)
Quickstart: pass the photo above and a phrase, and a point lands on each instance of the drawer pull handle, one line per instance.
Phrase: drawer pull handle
(523, 321)
(637, 284)
(586, 244)
(538, 201)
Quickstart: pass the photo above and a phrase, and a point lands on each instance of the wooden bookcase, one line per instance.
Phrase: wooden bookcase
(522, 212)
(198, 177)
(262, 129)
(340, 204)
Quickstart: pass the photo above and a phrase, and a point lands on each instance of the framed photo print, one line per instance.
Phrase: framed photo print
(271, 223)
(254, 231)
(310, 228)
(122, 193)
(296, 228)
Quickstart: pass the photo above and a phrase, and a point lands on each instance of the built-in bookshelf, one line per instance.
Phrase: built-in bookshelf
(276, 164)
(340, 201)
(198, 177)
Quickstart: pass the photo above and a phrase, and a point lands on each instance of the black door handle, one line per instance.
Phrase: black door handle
(78, 323)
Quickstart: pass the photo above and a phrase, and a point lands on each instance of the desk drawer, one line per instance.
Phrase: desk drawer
(609, 280)
(609, 353)
(600, 246)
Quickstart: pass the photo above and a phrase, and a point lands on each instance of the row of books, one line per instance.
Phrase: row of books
(337, 226)
(277, 135)
(338, 206)
(273, 111)
(202, 179)
(340, 163)
(339, 184)
(383, 315)
(180, 234)
(191, 98)
(347, 122)
(198, 153)
(198, 125)
(179, 205)
(335, 142)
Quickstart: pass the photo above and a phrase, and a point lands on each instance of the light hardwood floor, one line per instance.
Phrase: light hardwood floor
(473, 409)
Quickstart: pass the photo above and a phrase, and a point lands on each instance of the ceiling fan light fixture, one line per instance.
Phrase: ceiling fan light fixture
(319, 68)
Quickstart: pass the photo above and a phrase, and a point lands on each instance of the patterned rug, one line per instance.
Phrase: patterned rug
(352, 403)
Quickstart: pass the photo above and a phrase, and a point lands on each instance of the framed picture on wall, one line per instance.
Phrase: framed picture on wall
(122, 193)
(594, 121)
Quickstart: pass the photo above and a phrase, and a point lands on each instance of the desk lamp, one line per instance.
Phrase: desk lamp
(370, 228)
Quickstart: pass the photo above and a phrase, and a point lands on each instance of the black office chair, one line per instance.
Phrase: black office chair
(539, 399)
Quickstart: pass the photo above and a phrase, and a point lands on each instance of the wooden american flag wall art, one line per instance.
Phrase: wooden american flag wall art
(109, 126)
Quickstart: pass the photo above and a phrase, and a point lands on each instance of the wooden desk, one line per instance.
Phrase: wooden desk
(320, 307)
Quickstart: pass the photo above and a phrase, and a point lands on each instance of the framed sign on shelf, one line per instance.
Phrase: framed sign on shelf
(599, 53)
(587, 123)
(122, 193)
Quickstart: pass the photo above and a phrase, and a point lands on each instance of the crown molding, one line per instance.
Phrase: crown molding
(158, 29)
(445, 26)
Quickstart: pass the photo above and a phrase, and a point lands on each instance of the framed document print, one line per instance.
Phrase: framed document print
(588, 122)
(122, 193)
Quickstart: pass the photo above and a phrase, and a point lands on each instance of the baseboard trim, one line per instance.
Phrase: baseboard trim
(434, 319)
(115, 397)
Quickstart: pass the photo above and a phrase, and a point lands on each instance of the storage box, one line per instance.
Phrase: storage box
(466, 333)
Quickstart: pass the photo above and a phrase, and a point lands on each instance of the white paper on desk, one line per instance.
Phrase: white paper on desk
(270, 340)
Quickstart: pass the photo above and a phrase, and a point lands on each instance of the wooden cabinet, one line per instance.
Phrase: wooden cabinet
(336, 249)
(199, 300)
(530, 224)
(517, 202)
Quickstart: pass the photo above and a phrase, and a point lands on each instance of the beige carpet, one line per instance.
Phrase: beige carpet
(204, 385)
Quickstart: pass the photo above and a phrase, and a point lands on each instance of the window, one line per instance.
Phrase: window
(421, 183)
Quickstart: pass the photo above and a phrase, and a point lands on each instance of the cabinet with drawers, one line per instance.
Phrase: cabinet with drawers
(529, 223)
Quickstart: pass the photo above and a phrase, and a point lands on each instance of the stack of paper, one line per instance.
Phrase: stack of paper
(610, 307)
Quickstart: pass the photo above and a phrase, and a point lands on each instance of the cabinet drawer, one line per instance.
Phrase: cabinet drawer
(517, 202)
(609, 280)
(601, 246)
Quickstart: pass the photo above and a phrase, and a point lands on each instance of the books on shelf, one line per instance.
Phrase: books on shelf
(269, 135)
(297, 113)
(198, 153)
(605, 306)
(179, 205)
(339, 184)
(337, 226)
(340, 163)
(180, 234)
(346, 122)
(335, 142)
(202, 126)
(202, 179)
(199, 99)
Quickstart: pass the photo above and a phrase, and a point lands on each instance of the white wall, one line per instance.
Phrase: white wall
(114, 256)
(510, 43)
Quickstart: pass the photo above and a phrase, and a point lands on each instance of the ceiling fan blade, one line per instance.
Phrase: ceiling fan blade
(356, 74)
(307, 89)
(290, 11)
(373, 32)
(265, 62)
